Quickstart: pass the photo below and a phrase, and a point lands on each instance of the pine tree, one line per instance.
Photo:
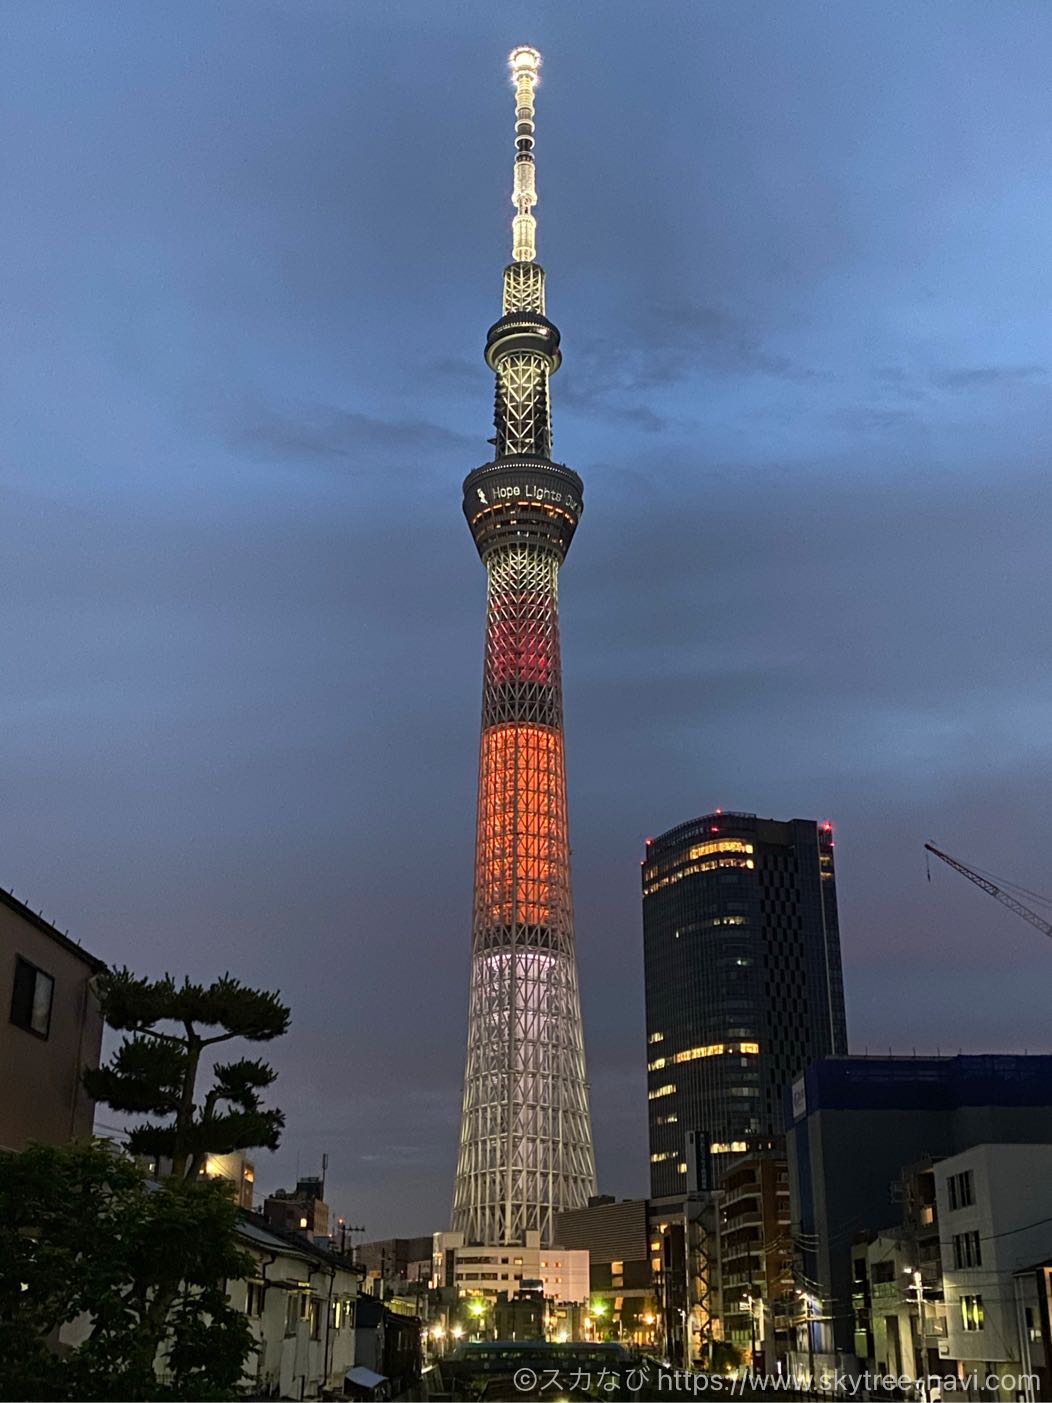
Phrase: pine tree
(155, 1070)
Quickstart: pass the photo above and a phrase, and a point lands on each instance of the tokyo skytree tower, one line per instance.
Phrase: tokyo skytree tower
(525, 1135)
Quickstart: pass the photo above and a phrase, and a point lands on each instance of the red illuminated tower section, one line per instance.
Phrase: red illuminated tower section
(525, 1138)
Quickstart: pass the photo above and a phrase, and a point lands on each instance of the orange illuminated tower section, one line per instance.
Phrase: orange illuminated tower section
(525, 1137)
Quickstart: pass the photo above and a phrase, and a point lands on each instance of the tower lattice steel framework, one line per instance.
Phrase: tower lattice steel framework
(526, 1136)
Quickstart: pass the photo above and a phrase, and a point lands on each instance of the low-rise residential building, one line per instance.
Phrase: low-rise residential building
(897, 1295)
(885, 1305)
(1033, 1294)
(301, 1303)
(995, 1214)
(388, 1343)
(50, 1030)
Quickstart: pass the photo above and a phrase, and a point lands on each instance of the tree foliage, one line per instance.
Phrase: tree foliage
(140, 1267)
(154, 1072)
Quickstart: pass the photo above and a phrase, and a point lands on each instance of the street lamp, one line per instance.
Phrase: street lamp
(478, 1310)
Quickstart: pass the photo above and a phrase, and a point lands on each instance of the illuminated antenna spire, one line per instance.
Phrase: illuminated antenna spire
(525, 74)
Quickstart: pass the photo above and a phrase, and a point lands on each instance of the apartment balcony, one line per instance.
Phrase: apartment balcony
(736, 1195)
(743, 1220)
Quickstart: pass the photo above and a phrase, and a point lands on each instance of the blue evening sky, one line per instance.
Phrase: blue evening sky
(800, 257)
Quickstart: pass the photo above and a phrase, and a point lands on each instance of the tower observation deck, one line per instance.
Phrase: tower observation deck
(525, 1136)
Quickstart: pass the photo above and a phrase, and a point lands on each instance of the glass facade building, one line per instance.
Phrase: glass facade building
(743, 981)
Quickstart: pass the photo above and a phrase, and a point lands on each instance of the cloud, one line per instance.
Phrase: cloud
(715, 340)
(977, 376)
(324, 433)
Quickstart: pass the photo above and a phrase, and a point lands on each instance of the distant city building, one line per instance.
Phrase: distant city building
(388, 1345)
(756, 1256)
(685, 1260)
(521, 1316)
(397, 1258)
(483, 1271)
(50, 1030)
(237, 1170)
(621, 1277)
(743, 980)
(302, 1209)
(890, 1266)
(855, 1122)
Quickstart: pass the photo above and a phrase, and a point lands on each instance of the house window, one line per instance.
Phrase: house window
(254, 1298)
(314, 1317)
(966, 1250)
(961, 1189)
(292, 1312)
(972, 1316)
(31, 998)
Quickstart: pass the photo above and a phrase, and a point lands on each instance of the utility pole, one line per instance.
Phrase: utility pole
(810, 1340)
(916, 1293)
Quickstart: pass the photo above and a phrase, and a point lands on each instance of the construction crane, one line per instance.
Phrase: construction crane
(998, 893)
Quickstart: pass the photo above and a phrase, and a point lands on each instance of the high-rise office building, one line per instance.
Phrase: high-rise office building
(743, 983)
(525, 1138)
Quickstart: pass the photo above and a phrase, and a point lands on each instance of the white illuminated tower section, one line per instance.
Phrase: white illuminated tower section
(525, 1136)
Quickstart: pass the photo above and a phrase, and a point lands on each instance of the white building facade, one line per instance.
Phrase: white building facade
(488, 1270)
(300, 1304)
(995, 1216)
